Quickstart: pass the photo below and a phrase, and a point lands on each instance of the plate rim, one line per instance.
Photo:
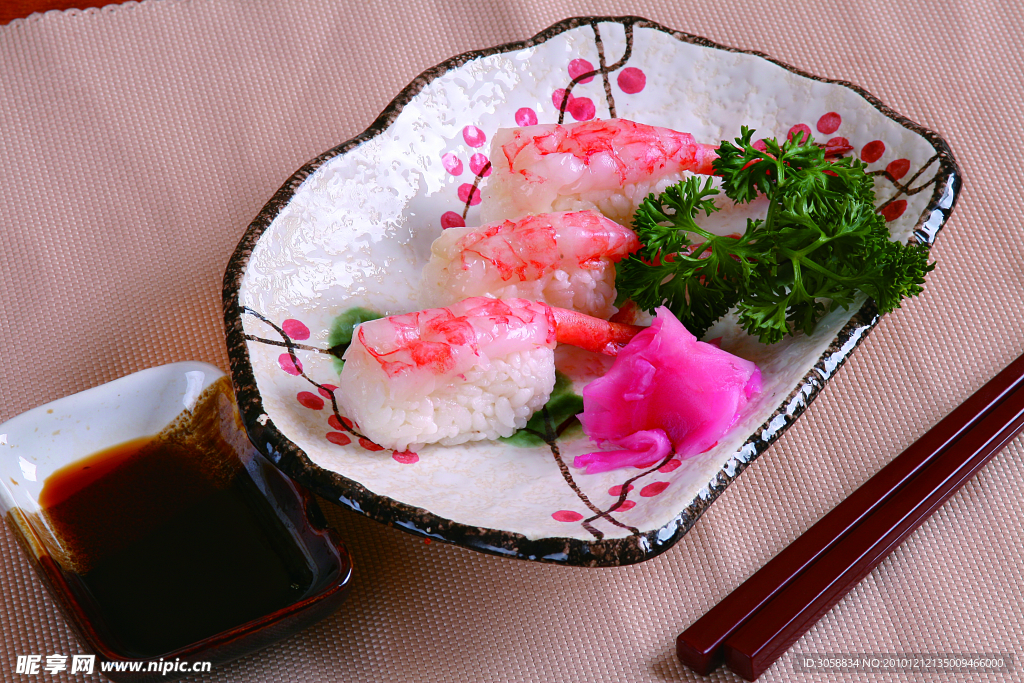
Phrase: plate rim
(632, 549)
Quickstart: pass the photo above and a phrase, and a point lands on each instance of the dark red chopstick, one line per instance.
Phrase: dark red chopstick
(700, 647)
(787, 616)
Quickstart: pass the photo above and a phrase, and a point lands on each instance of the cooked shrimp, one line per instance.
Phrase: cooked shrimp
(611, 165)
(564, 259)
(477, 369)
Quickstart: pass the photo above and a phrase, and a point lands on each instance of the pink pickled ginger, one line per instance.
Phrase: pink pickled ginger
(666, 391)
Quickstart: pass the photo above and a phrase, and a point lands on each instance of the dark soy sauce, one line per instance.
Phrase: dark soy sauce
(170, 539)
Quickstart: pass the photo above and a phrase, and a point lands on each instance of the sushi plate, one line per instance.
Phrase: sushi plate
(352, 230)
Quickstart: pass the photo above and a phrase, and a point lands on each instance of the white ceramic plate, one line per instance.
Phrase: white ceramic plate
(353, 229)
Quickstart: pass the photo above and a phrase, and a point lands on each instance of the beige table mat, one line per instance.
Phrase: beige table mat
(137, 142)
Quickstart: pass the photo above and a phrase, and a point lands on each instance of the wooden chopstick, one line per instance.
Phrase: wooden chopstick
(701, 647)
(787, 616)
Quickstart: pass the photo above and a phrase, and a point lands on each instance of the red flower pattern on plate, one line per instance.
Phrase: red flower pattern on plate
(631, 80)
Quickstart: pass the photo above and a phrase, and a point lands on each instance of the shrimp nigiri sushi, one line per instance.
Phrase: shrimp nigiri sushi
(611, 165)
(477, 369)
(564, 259)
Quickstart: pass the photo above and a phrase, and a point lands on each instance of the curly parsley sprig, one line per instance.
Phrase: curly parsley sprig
(820, 243)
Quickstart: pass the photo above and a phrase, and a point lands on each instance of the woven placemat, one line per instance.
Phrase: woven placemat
(138, 141)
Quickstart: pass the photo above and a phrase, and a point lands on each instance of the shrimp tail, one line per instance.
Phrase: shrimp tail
(704, 158)
(590, 333)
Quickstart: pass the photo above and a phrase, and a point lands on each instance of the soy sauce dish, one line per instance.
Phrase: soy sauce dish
(158, 528)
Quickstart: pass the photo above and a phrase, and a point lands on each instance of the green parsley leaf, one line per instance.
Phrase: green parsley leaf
(820, 244)
(697, 272)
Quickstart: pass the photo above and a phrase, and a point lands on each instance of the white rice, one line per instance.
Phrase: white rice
(619, 206)
(496, 398)
(500, 203)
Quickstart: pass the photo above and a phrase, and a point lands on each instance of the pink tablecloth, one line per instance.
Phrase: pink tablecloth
(137, 142)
